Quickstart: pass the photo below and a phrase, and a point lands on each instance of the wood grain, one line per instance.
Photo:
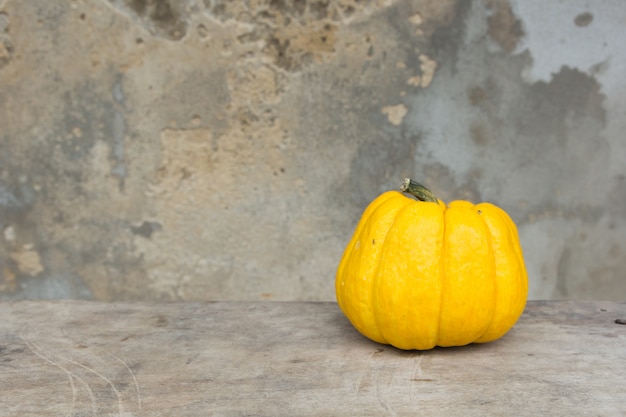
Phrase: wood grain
(73, 358)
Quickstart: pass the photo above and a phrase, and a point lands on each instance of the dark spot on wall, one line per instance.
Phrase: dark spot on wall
(504, 28)
(160, 17)
(138, 5)
(319, 9)
(294, 49)
(292, 7)
(447, 37)
(569, 94)
(203, 31)
(163, 13)
(6, 46)
(583, 19)
(479, 134)
(486, 98)
(146, 229)
(278, 50)
(476, 95)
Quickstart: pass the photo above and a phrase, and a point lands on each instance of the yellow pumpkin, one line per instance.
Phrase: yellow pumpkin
(419, 274)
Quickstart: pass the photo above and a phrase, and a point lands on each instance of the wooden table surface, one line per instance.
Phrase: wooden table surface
(74, 358)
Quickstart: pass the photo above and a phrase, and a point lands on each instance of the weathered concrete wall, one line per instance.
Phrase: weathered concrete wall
(153, 149)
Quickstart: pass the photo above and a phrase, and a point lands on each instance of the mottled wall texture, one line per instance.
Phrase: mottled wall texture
(207, 149)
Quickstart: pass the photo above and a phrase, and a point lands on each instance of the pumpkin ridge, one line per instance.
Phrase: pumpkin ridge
(519, 252)
(443, 275)
(374, 216)
(378, 263)
(508, 309)
(349, 253)
(467, 299)
(496, 283)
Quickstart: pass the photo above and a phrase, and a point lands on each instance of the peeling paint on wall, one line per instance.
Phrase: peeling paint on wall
(395, 114)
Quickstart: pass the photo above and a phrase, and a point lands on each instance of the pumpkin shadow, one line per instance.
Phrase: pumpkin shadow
(349, 334)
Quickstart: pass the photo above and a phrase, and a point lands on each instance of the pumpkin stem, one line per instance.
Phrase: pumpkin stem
(418, 191)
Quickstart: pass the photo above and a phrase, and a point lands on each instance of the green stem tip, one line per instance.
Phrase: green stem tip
(418, 191)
